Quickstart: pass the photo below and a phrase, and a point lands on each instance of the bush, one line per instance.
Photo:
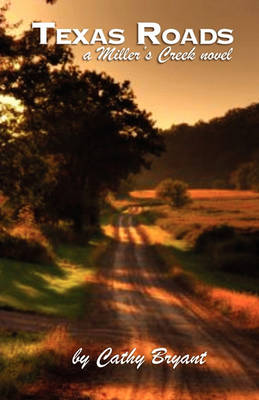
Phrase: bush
(174, 192)
(230, 250)
(213, 235)
(246, 176)
(9, 389)
(23, 250)
(5, 216)
(240, 263)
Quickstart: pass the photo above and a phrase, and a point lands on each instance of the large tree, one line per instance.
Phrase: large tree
(25, 174)
(99, 132)
(24, 167)
(87, 126)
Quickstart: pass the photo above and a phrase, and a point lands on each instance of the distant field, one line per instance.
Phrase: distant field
(202, 194)
(239, 209)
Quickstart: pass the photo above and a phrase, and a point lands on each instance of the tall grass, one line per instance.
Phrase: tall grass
(26, 358)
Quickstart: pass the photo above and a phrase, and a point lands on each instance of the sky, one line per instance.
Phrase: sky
(174, 92)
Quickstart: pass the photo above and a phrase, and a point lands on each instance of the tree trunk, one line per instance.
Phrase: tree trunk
(78, 223)
(88, 217)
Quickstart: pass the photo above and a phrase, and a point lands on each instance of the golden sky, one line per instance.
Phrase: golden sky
(175, 91)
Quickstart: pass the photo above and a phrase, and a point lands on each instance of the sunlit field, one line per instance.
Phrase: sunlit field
(174, 233)
(202, 194)
(239, 209)
(58, 286)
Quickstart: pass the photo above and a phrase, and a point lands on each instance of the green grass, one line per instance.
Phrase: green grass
(29, 358)
(60, 289)
(19, 362)
(200, 266)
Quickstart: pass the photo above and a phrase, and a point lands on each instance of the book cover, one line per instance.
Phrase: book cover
(129, 200)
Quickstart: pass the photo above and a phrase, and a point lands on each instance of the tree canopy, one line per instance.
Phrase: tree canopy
(80, 134)
(208, 151)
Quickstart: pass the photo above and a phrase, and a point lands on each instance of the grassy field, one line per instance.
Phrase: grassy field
(174, 233)
(60, 289)
(209, 208)
(202, 194)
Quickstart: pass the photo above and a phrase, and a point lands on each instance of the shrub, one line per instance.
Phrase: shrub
(23, 250)
(230, 250)
(213, 235)
(5, 216)
(9, 389)
(174, 192)
(246, 176)
(240, 263)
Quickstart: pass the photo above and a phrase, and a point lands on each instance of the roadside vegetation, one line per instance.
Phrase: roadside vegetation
(67, 138)
(28, 359)
(62, 289)
(210, 248)
(47, 269)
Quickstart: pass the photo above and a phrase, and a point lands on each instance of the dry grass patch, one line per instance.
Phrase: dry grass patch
(242, 307)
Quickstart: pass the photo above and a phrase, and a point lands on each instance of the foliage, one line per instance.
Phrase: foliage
(17, 248)
(59, 289)
(207, 151)
(25, 174)
(174, 192)
(237, 263)
(27, 358)
(226, 223)
(212, 235)
(126, 185)
(246, 176)
(101, 137)
(80, 135)
(230, 250)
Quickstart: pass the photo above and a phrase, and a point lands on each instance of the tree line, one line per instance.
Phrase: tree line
(223, 152)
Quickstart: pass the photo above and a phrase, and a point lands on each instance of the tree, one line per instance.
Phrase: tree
(24, 172)
(201, 153)
(246, 176)
(100, 135)
(174, 192)
(25, 168)
(126, 186)
(86, 126)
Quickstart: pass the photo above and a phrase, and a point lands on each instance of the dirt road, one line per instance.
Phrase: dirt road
(137, 307)
(140, 311)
